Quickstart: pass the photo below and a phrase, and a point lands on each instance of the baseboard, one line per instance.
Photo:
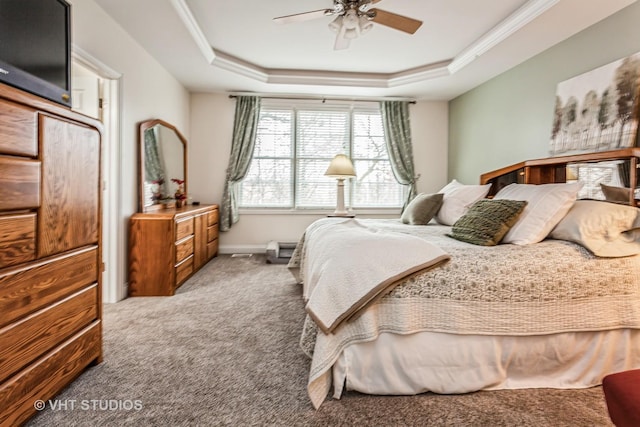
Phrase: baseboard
(242, 249)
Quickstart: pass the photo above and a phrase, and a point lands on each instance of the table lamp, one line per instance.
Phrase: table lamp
(340, 168)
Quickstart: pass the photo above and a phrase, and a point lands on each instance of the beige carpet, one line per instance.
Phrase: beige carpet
(224, 351)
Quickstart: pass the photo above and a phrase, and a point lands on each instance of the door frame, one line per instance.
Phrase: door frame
(113, 233)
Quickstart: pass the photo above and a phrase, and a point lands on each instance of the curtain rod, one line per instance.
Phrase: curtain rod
(322, 98)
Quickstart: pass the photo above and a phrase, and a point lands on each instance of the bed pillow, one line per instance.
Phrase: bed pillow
(615, 194)
(457, 199)
(487, 221)
(422, 209)
(548, 204)
(606, 229)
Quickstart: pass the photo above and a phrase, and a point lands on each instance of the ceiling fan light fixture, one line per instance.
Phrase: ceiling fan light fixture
(365, 24)
(336, 24)
(350, 33)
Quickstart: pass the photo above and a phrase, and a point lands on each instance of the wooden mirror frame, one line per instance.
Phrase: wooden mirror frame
(143, 126)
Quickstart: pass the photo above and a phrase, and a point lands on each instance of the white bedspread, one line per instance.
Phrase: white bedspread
(351, 265)
(546, 288)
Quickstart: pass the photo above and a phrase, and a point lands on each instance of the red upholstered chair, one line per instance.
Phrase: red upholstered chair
(622, 394)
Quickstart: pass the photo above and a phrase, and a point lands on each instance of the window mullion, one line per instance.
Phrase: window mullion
(351, 181)
(294, 160)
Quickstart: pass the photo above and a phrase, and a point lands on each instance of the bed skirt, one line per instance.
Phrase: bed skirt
(449, 364)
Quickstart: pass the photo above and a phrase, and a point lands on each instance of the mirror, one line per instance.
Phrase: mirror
(605, 180)
(162, 164)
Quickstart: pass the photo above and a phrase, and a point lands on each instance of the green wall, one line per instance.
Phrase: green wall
(508, 119)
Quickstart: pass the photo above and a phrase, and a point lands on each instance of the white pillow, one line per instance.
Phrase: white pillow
(606, 229)
(548, 204)
(457, 200)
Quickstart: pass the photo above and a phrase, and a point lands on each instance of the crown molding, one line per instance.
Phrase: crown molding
(185, 14)
(517, 20)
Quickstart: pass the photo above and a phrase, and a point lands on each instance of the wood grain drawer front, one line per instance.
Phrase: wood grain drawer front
(44, 378)
(184, 248)
(18, 130)
(212, 248)
(19, 183)
(70, 214)
(17, 239)
(212, 233)
(27, 289)
(23, 342)
(212, 217)
(184, 228)
(184, 270)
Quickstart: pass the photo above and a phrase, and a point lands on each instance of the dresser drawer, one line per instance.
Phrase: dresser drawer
(19, 183)
(184, 248)
(212, 233)
(184, 228)
(212, 248)
(212, 217)
(23, 342)
(184, 270)
(18, 130)
(38, 381)
(17, 239)
(28, 289)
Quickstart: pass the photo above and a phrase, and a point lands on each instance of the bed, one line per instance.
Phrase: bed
(551, 314)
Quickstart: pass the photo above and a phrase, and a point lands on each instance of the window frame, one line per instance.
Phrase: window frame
(296, 106)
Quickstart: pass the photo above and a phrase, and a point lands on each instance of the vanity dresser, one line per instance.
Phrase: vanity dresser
(50, 251)
(167, 244)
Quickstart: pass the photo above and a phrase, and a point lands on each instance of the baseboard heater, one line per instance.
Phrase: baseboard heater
(279, 252)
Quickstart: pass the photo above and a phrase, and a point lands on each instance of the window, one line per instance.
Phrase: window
(294, 146)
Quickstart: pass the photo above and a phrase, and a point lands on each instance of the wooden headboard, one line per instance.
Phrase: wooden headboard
(554, 169)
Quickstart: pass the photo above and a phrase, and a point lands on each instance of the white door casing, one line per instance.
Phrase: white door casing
(90, 71)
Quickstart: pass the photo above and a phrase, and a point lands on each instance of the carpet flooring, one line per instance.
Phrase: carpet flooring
(224, 352)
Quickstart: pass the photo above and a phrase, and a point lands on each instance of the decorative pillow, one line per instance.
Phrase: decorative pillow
(548, 204)
(606, 229)
(457, 199)
(422, 209)
(487, 221)
(615, 194)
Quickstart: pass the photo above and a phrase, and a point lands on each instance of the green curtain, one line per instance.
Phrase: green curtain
(152, 164)
(624, 170)
(397, 131)
(245, 127)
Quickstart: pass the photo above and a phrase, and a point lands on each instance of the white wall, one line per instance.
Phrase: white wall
(210, 144)
(147, 91)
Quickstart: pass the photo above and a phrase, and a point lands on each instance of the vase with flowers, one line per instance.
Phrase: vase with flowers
(179, 195)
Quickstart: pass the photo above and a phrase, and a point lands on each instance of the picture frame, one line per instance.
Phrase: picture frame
(598, 110)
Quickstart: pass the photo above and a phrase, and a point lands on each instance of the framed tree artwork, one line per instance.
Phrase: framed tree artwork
(598, 110)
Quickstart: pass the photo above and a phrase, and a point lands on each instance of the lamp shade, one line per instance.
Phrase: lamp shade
(340, 167)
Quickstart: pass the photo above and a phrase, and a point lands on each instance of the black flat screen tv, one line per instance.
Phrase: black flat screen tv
(35, 47)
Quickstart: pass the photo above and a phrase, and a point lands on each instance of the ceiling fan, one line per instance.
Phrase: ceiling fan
(354, 18)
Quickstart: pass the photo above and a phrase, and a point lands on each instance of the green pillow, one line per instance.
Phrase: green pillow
(422, 209)
(616, 194)
(487, 221)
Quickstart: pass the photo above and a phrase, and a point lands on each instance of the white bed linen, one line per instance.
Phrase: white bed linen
(553, 287)
(446, 363)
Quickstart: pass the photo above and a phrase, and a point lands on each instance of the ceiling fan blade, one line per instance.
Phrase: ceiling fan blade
(306, 16)
(393, 20)
(341, 41)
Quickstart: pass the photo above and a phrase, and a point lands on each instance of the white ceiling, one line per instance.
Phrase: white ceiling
(234, 46)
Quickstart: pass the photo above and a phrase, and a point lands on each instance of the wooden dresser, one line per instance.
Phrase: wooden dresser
(50, 254)
(168, 245)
